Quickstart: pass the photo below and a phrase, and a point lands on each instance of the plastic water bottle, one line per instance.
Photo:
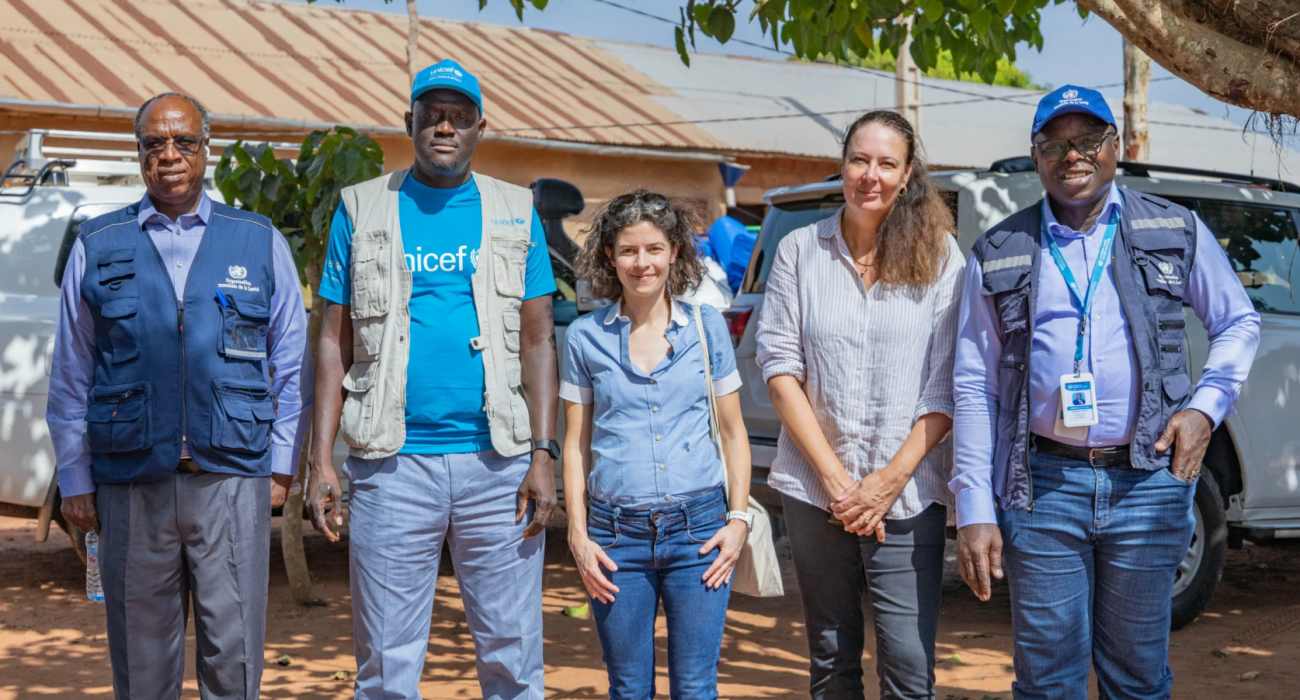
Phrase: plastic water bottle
(94, 590)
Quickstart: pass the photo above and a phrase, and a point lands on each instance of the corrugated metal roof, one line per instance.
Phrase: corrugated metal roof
(322, 64)
(962, 124)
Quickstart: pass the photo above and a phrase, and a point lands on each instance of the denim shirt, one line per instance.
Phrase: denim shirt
(650, 432)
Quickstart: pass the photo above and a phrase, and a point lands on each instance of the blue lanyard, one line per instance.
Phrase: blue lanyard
(1098, 269)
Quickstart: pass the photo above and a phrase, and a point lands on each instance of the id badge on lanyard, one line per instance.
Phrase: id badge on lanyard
(1078, 406)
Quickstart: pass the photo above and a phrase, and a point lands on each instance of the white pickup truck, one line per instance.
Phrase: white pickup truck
(1250, 486)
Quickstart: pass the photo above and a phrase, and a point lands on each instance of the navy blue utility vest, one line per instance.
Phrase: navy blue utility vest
(167, 372)
(1153, 256)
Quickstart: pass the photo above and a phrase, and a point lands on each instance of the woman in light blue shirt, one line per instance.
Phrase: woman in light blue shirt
(639, 454)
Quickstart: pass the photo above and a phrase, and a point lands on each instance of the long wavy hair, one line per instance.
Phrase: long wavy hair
(911, 245)
(677, 220)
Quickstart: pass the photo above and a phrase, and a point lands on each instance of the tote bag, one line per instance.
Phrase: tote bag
(757, 571)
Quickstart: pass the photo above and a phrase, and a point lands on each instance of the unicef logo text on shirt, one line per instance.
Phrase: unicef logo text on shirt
(507, 222)
(441, 262)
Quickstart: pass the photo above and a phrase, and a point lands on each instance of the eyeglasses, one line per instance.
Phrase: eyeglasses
(185, 144)
(1087, 146)
(650, 201)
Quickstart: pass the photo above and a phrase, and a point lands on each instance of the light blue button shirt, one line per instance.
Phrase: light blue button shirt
(650, 432)
(1213, 291)
(73, 369)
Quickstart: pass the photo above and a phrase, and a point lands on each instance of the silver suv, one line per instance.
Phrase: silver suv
(1250, 484)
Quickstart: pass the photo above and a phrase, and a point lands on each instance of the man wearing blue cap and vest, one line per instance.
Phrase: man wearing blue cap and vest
(437, 360)
(180, 380)
(1079, 434)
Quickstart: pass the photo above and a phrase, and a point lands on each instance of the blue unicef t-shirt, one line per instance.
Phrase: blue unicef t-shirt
(441, 232)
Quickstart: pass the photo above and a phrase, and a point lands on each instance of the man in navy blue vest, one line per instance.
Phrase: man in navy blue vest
(1078, 433)
(176, 396)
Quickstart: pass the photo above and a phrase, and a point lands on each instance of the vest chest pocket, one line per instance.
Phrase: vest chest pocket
(1161, 256)
(509, 265)
(371, 273)
(244, 326)
(117, 418)
(242, 416)
(120, 318)
(116, 267)
(1009, 288)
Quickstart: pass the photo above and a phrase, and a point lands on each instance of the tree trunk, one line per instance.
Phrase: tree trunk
(1257, 77)
(412, 42)
(1137, 80)
(295, 559)
(907, 82)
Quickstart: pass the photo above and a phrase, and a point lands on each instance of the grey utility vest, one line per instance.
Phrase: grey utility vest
(1153, 257)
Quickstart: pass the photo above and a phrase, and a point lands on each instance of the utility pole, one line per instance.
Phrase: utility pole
(907, 82)
(1137, 81)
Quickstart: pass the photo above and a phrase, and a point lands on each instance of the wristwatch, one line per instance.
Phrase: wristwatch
(552, 447)
(744, 515)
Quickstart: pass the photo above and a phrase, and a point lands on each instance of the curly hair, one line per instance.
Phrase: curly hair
(911, 249)
(675, 218)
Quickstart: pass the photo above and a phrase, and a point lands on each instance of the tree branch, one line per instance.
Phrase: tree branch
(1237, 73)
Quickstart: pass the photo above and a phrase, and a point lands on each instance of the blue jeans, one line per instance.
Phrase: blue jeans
(1091, 571)
(658, 556)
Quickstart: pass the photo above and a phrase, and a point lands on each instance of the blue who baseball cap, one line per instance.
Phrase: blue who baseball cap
(1071, 99)
(449, 75)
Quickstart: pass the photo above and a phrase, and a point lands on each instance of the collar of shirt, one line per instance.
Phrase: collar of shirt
(679, 317)
(1114, 203)
(150, 214)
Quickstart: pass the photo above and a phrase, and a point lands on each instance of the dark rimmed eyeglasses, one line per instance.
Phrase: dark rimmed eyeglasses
(1088, 146)
(650, 201)
(185, 144)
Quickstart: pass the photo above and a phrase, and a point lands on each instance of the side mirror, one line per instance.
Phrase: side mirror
(556, 199)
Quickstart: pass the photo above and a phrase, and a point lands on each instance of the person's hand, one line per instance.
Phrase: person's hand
(979, 553)
(728, 541)
(590, 558)
(539, 486)
(280, 484)
(1190, 431)
(80, 512)
(839, 483)
(863, 508)
(323, 486)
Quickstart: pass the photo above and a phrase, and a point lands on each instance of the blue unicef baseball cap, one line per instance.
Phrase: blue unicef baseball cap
(447, 74)
(1071, 99)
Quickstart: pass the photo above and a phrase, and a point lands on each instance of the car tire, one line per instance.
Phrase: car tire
(1198, 574)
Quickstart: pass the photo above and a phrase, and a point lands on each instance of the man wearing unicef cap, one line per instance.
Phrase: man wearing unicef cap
(1079, 432)
(437, 361)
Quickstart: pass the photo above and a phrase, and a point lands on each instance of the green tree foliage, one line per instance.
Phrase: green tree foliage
(978, 34)
(1007, 75)
(299, 197)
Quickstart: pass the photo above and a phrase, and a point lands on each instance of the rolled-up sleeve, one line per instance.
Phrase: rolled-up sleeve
(936, 394)
(290, 361)
(575, 379)
(726, 378)
(71, 375)
(1220, 301)
(780, 325)
(975, 391)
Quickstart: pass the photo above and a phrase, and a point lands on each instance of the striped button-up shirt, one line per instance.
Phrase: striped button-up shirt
(871, 362)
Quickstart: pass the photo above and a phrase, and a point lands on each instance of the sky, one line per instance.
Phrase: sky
(1083, 52)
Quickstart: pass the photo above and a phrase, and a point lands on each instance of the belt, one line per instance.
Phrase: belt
(188, 466)
(1117, 456)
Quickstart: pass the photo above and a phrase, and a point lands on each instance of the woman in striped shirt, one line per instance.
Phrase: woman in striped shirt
(856, 343)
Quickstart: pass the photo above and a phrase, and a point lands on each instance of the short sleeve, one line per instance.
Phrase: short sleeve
(539, 280)
(726, 378)
(336, 278)
(575, 378)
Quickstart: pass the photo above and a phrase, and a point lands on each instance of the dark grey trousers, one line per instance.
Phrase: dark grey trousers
(903, 575)
(190, 538)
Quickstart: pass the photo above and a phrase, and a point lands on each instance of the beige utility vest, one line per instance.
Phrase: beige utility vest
(374, 411)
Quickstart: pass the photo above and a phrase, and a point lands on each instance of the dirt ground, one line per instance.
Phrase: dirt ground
(52, 640)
